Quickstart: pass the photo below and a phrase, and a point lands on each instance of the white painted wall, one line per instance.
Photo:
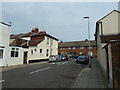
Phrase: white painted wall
(101, 55)
(110, 26)
(15, 60)
(44, 46)
(4, 42)
(7, 60)
(55, 47)
(4, 35)
(110, 23)
(110, 65)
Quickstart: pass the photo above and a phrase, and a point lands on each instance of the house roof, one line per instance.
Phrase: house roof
(18, 42)
(76, 44)
(43, 33)
(35, 42)
(108, 14)
(15, 36)
(32, 34)
(5, 24)
(23, 43)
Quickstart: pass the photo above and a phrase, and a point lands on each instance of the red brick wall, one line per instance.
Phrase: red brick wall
(38, 37)
(77, 50)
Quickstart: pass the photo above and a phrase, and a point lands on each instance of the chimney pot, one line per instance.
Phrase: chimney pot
(33, 30)
(36, 29)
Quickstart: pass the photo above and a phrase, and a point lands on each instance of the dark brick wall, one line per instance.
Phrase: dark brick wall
(115, 49)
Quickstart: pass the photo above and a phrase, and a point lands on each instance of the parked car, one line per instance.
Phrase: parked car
(64, 57)
(55, 58)
(82, 60)
(74, 57)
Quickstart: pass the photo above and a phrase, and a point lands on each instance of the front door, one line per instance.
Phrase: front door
(25, 57)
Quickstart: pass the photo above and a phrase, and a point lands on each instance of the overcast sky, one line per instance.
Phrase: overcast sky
(64, 20)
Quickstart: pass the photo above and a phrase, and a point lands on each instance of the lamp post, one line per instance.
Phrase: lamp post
(88, 40)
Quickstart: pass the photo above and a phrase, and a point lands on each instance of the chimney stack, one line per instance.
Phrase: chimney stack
(35, 30)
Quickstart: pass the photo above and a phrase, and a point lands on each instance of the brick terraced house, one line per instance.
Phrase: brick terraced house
(77, 48)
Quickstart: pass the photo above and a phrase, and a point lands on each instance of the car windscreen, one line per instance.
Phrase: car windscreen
(52, 56)
(82, 57)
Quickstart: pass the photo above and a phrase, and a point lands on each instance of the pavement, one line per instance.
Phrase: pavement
(90, 77)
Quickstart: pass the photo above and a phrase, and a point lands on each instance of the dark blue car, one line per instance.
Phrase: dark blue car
(82, 60)
(74, 57)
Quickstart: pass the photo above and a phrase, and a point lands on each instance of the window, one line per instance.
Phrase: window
(51, 50)
(89, 47)
(81, 53)
(14, 52)
(61, 48)
(62, 53)
(90, 53)
(40, 50)
(31, 52)
(69, 48)
(47, 51)
(51, 41)
(47, 41)
(73, 47)
(1, 52)
(81, 47)
(34, 49)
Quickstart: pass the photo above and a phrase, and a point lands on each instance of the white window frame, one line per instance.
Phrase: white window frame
(47, 40)
(69, 47)
(32, 51)
(90, 53)
(51, 41)
(62, 53)
(14, 50)
(1, 55)
(90, 47)
(73, 47)
(35, 49)
(47, 52)
(41, 51)
(81, 47)
(62, 48)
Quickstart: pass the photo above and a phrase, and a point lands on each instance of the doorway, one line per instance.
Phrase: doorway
(25, 57)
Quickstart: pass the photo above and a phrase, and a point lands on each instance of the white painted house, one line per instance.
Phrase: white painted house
(107, 31)
(4, 43)
(15, 56)
(23, 48)
(36, 45)
(42, 48)
(9, 55)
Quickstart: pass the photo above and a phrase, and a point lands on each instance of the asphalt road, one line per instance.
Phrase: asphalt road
(49, 75)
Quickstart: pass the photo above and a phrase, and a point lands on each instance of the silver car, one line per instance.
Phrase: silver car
(54, 58)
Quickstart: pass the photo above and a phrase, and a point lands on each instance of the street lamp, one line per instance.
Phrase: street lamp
(88, 40)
